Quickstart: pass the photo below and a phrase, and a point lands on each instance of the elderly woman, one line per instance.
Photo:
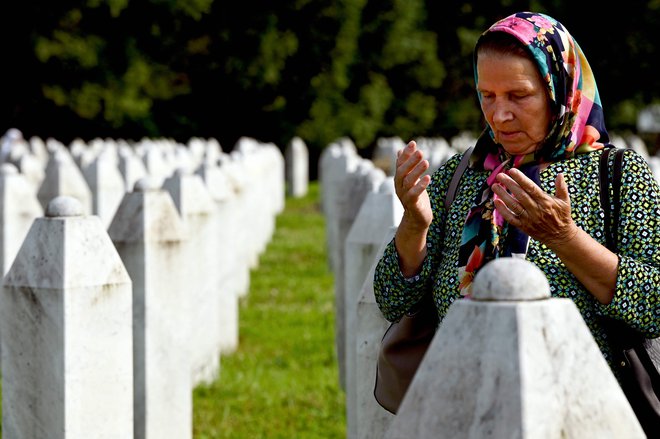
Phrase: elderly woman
(531, 190)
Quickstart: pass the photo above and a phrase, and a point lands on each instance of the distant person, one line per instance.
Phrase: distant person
(531, 191)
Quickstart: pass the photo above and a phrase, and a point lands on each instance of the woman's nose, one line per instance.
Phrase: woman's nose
(502, 112)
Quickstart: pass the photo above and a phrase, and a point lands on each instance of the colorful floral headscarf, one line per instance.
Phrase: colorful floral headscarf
(578, 127)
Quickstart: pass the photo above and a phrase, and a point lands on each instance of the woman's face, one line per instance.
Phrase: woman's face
(514, 101)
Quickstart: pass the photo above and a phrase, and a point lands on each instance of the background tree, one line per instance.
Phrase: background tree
(317, 69)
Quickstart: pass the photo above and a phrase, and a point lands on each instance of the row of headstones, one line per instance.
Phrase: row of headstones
(107, 328)
(361, 211)
(360, 208)
(436, 150)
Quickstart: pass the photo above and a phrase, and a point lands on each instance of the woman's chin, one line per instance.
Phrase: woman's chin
(515, 148)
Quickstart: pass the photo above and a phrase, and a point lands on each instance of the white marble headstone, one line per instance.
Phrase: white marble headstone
(297, 167)
(66, 319)
(64, 178)
(513, 362)
(378, 214)
(148, 234)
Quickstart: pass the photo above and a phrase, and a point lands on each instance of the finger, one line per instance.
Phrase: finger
(411, 199)
(506, 213)
(561, 189)
(406, 166)
(420, 187)
(415, 173)
(523, 190)
(509, 201)
(404, 153)
(525, 183)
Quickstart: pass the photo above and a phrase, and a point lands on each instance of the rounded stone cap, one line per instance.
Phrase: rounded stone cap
(63, 206)
(146, 184)
(510, 279)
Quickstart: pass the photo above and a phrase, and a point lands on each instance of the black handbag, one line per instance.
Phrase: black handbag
(637, 357)
(406, 341)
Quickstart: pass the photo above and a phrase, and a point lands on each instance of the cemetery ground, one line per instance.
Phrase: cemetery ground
(282, 382)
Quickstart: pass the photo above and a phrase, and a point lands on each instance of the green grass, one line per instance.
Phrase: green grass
(283, 381)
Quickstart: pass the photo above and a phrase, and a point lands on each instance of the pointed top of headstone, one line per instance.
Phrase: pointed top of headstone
(146, 184)
(182, 171)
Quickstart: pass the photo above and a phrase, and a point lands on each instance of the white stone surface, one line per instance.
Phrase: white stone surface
(64, 206)
(212, 149)
(19, 208)
(148, 232)
(131, 167)
(106, 184)
(511, 279)
(228, 196)
(384, 156)
(63, 177)
(66, 335)
(462, 141)
(38, 148)
(648, 119)
(262, 191)
(276, 183)
(353, 191)
(523, 369)
(372, 420)
(337, 161)
(197, 147)
(12, 142)
(155, 161)
(30, 166)
(617, 140)
(297, 167)
(208, 308)
(654, 164)
(378, 214)
(436, 150)
(635, 142)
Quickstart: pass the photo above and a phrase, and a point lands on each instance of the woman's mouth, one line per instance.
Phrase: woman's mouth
(508, 135)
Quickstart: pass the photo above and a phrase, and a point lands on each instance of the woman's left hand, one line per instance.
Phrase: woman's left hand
(525, 205)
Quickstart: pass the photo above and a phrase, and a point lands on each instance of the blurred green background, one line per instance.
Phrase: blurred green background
(276, 69)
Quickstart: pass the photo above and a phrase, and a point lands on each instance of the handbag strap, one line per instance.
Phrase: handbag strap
(610, 224)
(456, 178)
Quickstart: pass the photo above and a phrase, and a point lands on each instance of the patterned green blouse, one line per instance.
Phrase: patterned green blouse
(637, 296)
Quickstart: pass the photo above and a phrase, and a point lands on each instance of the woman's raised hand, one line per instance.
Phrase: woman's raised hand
(410, 184)
(542, 216)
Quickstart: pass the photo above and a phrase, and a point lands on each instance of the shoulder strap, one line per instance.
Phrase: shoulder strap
(611, 224)
(456, 178)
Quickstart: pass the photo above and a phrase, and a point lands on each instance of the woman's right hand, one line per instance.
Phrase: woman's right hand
(410, 185)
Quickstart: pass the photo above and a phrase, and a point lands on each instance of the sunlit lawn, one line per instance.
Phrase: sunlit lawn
(283, 380)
